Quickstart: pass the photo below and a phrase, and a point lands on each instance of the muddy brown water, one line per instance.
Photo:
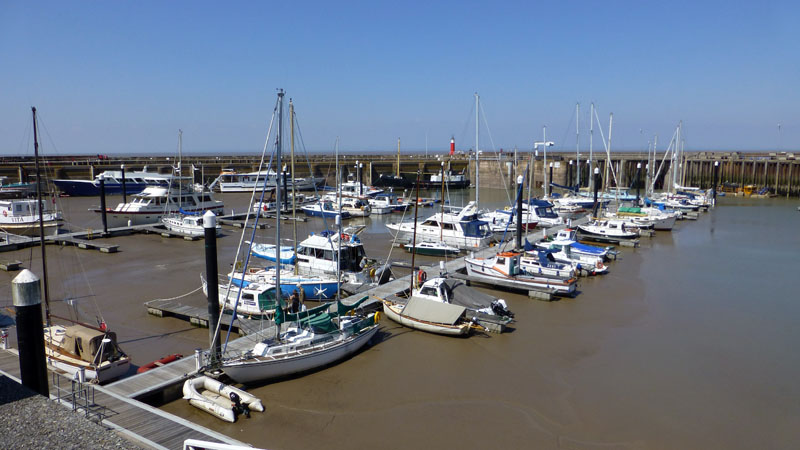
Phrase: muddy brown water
(689, 342)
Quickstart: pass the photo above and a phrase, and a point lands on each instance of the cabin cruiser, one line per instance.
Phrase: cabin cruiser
(568, 238)
(324, 208)
(231, 181)
(563, 252)
(154, 202)
(355, 206)
(387, 200)
(316, 255)
(504, 269)
(502, 220)
(135, 181)
(459, 228)
(542, 212)
(359, 189)
(541, 263)
(607, 230)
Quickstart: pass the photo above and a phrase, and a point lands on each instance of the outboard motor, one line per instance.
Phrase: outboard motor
(238, 407)
(500, 308)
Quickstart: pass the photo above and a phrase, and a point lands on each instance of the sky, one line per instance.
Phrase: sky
(121, 77)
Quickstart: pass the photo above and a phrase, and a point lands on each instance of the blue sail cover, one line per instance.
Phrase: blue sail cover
(472, 228)
(190, 213)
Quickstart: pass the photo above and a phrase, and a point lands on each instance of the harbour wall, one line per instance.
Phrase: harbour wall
(778, 172)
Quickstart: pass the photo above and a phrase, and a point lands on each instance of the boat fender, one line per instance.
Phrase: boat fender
(264, 208)
(5, 213)
(345, 236)
(599, 265)
(372, 272)
(421, 277)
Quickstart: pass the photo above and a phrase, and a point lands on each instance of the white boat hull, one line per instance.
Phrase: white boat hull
(394, 312)
(266, 368)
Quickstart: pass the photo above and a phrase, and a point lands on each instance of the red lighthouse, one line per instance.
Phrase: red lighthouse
(452, 145)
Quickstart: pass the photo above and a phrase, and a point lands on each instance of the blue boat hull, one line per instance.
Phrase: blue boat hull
(85, 188)
(312, 290)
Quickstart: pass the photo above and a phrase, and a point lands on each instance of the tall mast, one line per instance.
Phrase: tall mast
(616, 190)
(578, 142)
(398, 158)
(278, 145)
(41, 217)
(180, 171)
(591, 155)
(414, 238)
(544, 165)
(477, 156)
(441, 221)
(294, 190)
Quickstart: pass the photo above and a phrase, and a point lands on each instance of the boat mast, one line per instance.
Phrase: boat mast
(477, 156)
(398, 158)
(414, 238)
(441, 221)
(544, 165)
(591, 157)
(41, 218)
(578, 142)
(278, 197)
(294, 190)
(338, 251)
(180, 172)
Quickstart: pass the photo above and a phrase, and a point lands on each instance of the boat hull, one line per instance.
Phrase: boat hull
(262, 369)
(393, 311)
(86, 188)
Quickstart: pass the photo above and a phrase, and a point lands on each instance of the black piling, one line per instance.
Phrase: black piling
(124, 189)
(550, 180)
(714, 185)
(519, 210)
(103, 205)
(27, 298)
(210, 229)
(638, 181)
(596, 187)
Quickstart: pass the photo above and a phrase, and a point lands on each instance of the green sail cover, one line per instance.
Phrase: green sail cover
(343, 309)
(624, 209)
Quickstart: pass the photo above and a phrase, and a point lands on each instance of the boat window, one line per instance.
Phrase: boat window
(501, 260)
(431, 223)
(448, 226)
(328, 254)
(247, 296)
(428, 291)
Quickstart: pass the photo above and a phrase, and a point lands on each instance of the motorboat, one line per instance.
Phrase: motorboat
(355, 206)
(154, 202)
(255, 299)
(312, 287)
(387, 201)
(563, 252)
(324, 208)
(568, 238)
(458, 228)
(187, 225)
(501, 221)
(135, 181)
(232, 181)
(541, 211)
(218, 399)
(541, 263)
(432, 249)
(504, 269)
(607, 230)
(267, 251)
(21, 216)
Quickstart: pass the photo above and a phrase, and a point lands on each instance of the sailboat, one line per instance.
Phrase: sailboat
(79, 347)
(305, 340)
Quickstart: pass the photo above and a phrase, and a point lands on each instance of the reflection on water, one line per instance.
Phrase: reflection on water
(689, 342)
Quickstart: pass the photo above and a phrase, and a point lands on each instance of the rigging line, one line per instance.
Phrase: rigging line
(608, 152)
(488, 130)
(176, 297)
(310, 169)
(246, 221)
(467, 123)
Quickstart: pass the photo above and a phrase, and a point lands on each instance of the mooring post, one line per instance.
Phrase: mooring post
(520, 179)
(103, 205)
(549, 180)
(638, 181)
(27, 298)
(210, 229)
(124, 189)
(714, 186)
(596, 187)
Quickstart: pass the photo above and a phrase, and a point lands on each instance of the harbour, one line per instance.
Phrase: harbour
(612, 308)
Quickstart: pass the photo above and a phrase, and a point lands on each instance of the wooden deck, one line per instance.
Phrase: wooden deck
(130, 417)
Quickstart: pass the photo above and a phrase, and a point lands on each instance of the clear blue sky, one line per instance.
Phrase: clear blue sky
(122, 77)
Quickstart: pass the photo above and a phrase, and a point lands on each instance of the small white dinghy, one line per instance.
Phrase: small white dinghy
(219, 399)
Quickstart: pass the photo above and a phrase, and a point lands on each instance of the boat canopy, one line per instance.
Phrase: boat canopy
(474, 228)
(85, 342)
(423, 309)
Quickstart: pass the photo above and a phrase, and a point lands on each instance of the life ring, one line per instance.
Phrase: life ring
(372, 272)
(345, 236)
(421, 277)
(599, 264)
(5, 213)
(377, 316)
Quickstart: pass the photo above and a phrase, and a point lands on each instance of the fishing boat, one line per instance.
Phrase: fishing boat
(459, 227)
(154, 202)
(432, 249)
(505, 267)
(187, 225)
(606, 230)
(21, 216)
(135, 181)
(219, 399)
(317, 255)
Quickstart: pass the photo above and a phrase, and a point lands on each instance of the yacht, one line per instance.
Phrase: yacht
(542, 212)
(232, 181)
(155, 202)
(460, 227)
(135, 181)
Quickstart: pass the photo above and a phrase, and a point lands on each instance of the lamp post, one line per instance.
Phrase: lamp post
(596, 187)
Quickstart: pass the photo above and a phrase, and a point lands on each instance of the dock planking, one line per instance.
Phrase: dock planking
(138, 420)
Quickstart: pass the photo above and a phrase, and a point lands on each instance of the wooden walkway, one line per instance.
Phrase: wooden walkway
(199, 316)
(145, 423)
